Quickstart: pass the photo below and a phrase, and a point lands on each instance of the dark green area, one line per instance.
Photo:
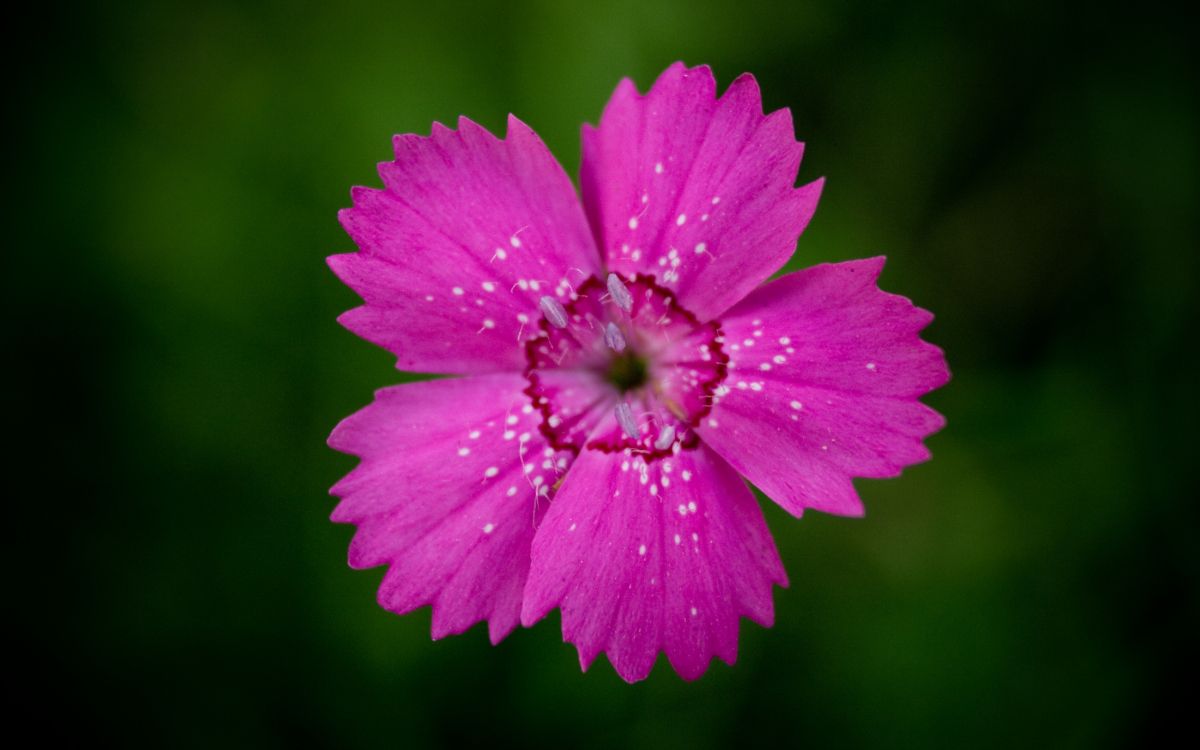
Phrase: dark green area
(174, 172)
(627, 371)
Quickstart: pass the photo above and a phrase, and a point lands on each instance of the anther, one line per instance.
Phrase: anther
(620, 293)
(614, 338)
(554, 312)
(625, 418)
(665, 438)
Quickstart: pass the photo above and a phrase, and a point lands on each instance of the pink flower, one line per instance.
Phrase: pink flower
(623, 369)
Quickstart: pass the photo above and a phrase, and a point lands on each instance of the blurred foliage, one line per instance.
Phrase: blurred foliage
(1030, 169)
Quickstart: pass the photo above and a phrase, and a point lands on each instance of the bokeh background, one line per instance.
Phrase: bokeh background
(1030, 169)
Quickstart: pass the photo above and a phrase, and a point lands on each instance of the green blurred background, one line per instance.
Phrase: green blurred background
(1030, 170)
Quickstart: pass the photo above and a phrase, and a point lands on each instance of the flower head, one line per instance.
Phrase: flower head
(623, 366)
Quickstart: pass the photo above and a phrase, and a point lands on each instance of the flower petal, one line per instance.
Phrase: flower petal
(643, 559)
(444, 497)
(825, 372)
(695, 189)
(456, 250)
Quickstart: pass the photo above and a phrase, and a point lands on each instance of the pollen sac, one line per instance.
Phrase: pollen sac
(625, 418)
(619, 293)
(614, 338)
(665, 437)
(554, 311)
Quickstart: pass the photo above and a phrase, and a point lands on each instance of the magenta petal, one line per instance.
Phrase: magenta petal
(442, 496)
(824, 378)
(648, 559)
(696, 190)
(455, 252)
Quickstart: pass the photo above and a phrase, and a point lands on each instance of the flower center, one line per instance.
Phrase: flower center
(627, 372)
(619, 365)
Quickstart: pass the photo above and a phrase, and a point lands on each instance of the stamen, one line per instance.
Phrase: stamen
(665, 438)
(614, 338)
(554, 311)
(625, 418)
(620, 293)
